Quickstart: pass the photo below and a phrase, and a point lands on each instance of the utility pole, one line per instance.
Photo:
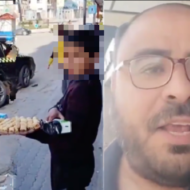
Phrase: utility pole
(94, 15)
(84, 12)
(19, 9)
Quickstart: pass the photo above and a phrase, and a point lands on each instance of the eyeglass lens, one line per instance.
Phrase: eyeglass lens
(151, 71)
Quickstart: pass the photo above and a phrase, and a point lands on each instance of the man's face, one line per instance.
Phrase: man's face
(76, 60)
(154, 123)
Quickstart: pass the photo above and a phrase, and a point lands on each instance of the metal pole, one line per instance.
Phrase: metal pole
(94, 15)
(19, 9)
(84, 13)
(94, 18)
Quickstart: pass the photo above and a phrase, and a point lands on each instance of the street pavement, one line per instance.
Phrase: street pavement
(29, 159)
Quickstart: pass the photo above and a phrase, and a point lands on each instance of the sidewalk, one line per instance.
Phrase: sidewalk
(43, 30)
(30, 160)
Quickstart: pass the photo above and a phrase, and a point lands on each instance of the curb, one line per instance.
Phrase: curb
(40, 30)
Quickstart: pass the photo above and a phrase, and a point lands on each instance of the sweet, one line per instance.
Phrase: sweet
(18, 125)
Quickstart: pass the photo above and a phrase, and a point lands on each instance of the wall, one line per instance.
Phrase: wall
(38, 6)
(5, 25)
(3, 2)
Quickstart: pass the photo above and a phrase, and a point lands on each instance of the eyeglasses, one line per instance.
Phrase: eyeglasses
(153, 71)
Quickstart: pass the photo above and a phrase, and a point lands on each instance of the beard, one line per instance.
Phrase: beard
(167, 166)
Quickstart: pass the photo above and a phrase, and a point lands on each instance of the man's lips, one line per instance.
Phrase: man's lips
(176, 131)
(179, 121)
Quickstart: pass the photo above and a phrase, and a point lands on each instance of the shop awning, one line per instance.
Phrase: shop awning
(7, 16)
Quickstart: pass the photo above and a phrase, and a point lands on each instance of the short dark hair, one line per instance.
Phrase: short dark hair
(89, 39)
(124, 27)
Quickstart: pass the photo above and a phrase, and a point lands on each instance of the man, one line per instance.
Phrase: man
(151, 95)
(60, 55)
(60, 49)
(72, 159)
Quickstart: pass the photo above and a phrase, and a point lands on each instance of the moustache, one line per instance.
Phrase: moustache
(170, 111)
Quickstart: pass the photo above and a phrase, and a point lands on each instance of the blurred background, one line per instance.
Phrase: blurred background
(46, 12)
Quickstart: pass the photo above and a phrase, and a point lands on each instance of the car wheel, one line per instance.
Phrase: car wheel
(24, 33)
(24, 76)
(3, 94)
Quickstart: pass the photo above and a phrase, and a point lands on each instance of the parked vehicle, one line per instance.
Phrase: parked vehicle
(22, 31)
(8, 89)
(18, 68)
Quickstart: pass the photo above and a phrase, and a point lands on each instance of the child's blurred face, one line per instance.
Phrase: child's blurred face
(76, 60)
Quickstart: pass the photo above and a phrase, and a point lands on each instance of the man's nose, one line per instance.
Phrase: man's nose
(178, 89)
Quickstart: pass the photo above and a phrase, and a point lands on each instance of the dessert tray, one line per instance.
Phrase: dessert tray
(19, 125)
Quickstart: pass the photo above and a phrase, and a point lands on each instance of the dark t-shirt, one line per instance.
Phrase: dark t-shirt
(112, 158)
(82, 105)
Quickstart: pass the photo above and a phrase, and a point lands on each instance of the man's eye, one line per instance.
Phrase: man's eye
(154, 70)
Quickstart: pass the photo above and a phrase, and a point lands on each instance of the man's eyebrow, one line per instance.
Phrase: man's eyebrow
(160, 52)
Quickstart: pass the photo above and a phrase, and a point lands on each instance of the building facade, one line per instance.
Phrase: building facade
(38, 5)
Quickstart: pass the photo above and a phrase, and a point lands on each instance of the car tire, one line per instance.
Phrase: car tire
(24, 76)
(4, 98)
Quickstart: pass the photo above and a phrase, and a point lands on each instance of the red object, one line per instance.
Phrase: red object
(98, 10)
(7, 16)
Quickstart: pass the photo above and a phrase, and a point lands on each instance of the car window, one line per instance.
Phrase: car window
(108, 60)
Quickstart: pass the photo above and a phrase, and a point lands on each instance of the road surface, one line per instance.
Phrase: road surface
(29, 159)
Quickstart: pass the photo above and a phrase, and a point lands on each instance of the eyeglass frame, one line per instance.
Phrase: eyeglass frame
(173, 61)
